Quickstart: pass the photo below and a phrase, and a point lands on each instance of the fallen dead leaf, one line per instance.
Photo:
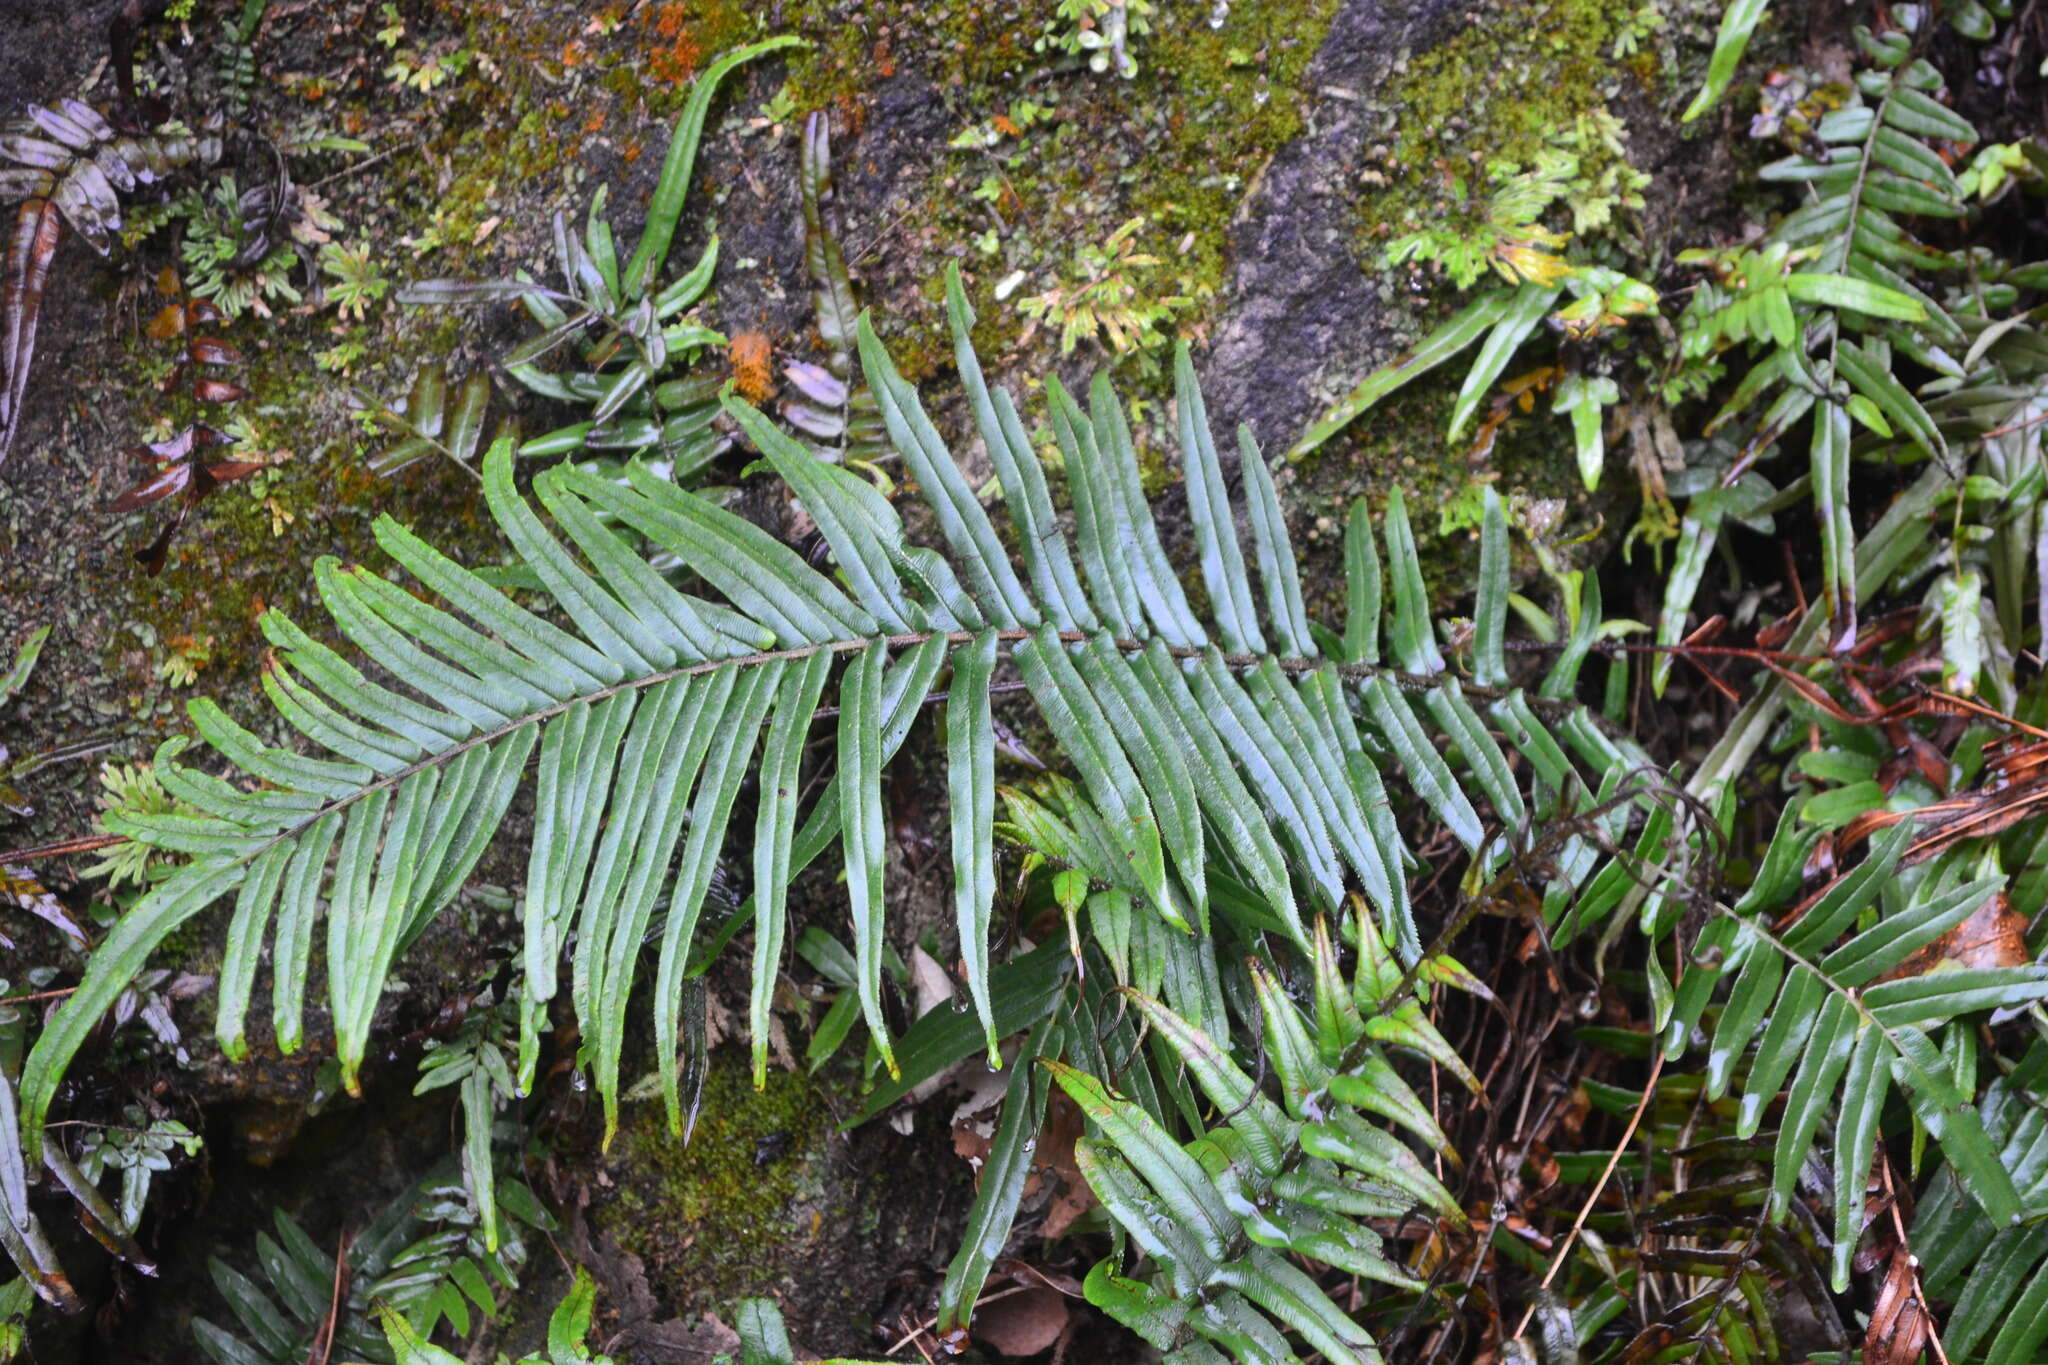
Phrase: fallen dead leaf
(1023, 1323)
(929, 982)
(971, 1142)
(1072, 1197)
(20, 886)
(1898, 1322)
(1995, 935)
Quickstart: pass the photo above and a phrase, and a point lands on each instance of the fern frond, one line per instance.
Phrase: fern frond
(73, 157)
(423, 1258)
(1833, 1022)
(1218, 1216)
(1871, 168)
(1738, 23)
(646, 702)
(1844, 1036)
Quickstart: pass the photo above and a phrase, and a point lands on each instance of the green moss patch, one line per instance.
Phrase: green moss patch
(1512, 77)
(741, 1207)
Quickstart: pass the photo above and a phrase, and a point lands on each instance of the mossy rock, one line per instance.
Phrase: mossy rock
(770, 1197)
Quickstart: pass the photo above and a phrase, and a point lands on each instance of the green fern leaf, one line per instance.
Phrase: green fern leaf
(1238, 783)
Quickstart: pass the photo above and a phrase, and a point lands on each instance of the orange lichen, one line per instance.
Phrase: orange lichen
(853, 111)
(751, 355)
(674, 59)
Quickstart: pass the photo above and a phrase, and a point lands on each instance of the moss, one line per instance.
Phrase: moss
(189, 946)
(1237, 99)
(1600, 80)
(1511, 76)
(1503, 82)
(1514, 75)
(1179, 145)
(738, 1209)
(681, 38)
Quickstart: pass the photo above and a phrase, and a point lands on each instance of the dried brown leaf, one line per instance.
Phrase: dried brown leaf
(212, 351)
(166, 451)
(169, 322)
(1071, 1197)
(1022, 1323)
(1995, 935)
(208, 390)
(37, 231)
(20, 886)
(227, 471)
(166, 482)
(1898, 1321)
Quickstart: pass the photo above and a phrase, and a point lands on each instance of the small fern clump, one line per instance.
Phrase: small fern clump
(69, 165)
(420, 1261)
(634, 342)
